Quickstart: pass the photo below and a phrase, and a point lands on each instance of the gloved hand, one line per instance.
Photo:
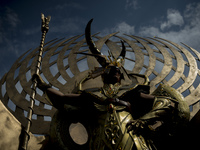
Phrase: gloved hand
(40, 82)
(136, 126)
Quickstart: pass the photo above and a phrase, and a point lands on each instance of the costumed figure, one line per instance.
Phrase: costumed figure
(116, 117)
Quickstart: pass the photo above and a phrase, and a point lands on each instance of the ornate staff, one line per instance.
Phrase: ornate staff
(26, 136)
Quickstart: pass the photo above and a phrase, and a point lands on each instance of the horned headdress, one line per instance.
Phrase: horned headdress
(98, 55)
(105, 62)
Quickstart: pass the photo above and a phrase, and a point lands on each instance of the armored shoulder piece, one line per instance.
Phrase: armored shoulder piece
(174, 98)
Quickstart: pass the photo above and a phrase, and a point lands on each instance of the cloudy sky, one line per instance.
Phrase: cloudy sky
(175, 20)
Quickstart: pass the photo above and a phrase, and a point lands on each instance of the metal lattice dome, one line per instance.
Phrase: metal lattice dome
(161, 60)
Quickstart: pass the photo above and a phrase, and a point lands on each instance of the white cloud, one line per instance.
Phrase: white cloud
(122, 28)
(192, 14)
(189, 33)
(125, 28)
(132, 4)
(173, 18)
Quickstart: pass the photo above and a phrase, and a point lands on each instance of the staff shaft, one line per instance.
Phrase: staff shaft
(26, 136)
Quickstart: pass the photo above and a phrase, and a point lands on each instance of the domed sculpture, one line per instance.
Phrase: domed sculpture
(122, 108)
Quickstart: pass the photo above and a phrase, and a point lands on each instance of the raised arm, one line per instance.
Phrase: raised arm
(57, 98)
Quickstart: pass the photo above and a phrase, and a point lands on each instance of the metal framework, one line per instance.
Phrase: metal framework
(161, 60)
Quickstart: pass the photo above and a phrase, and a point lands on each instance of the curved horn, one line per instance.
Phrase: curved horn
(123, 53)
(89, 40)
(92, 47)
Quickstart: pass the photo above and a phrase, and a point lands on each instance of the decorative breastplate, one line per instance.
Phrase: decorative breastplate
(112, 131)
(111, 90)
(112, 127)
